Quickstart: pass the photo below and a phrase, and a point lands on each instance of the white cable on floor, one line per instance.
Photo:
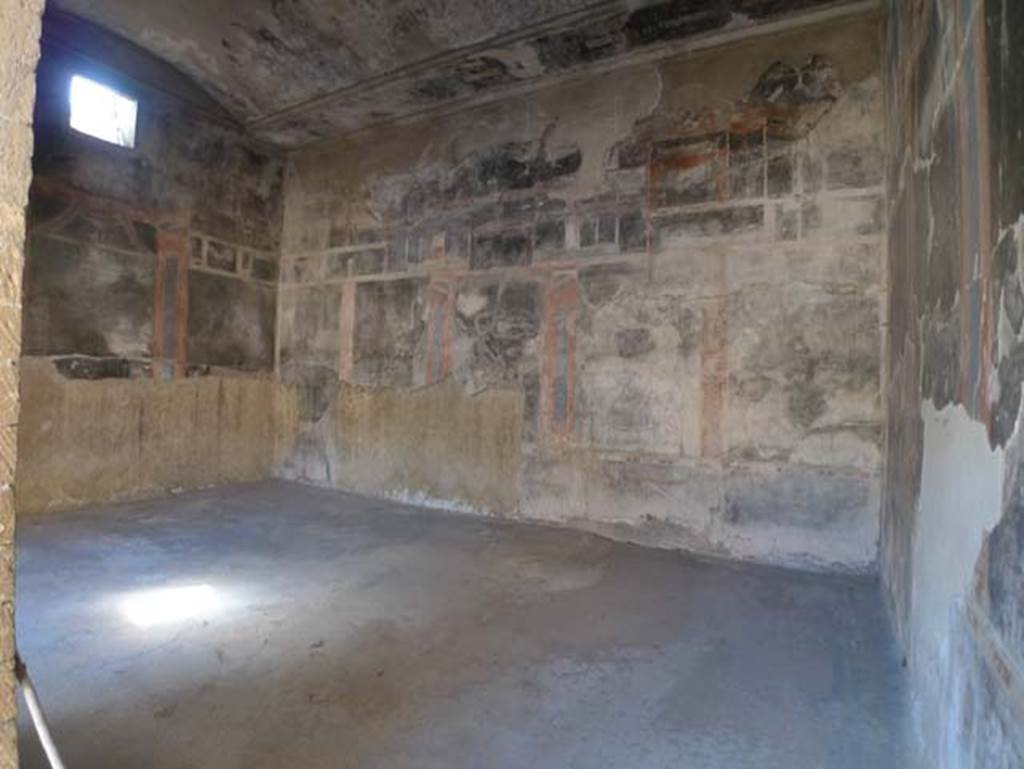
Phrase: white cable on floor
(36, 711)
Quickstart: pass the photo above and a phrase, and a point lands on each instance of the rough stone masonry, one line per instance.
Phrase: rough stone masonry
(19, 51)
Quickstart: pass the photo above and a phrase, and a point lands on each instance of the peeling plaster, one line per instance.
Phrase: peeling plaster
(961, 502)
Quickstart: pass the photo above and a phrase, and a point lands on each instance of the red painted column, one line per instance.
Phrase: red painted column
(440, 327)
(558, 368)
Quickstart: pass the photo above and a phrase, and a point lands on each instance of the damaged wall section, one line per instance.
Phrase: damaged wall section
(661, 287)
(953, 513)
(145, 266)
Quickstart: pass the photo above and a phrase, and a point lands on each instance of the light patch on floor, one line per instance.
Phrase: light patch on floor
(170, 605)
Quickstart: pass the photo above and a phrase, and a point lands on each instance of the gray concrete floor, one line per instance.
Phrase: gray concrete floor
(273, 625)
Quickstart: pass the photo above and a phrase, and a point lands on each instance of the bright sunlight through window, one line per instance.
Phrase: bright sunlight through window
(168, 605)
(102, 112)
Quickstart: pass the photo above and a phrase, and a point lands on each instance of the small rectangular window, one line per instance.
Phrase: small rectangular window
(101, 112)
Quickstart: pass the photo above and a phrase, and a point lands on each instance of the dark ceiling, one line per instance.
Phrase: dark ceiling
(295, 71)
